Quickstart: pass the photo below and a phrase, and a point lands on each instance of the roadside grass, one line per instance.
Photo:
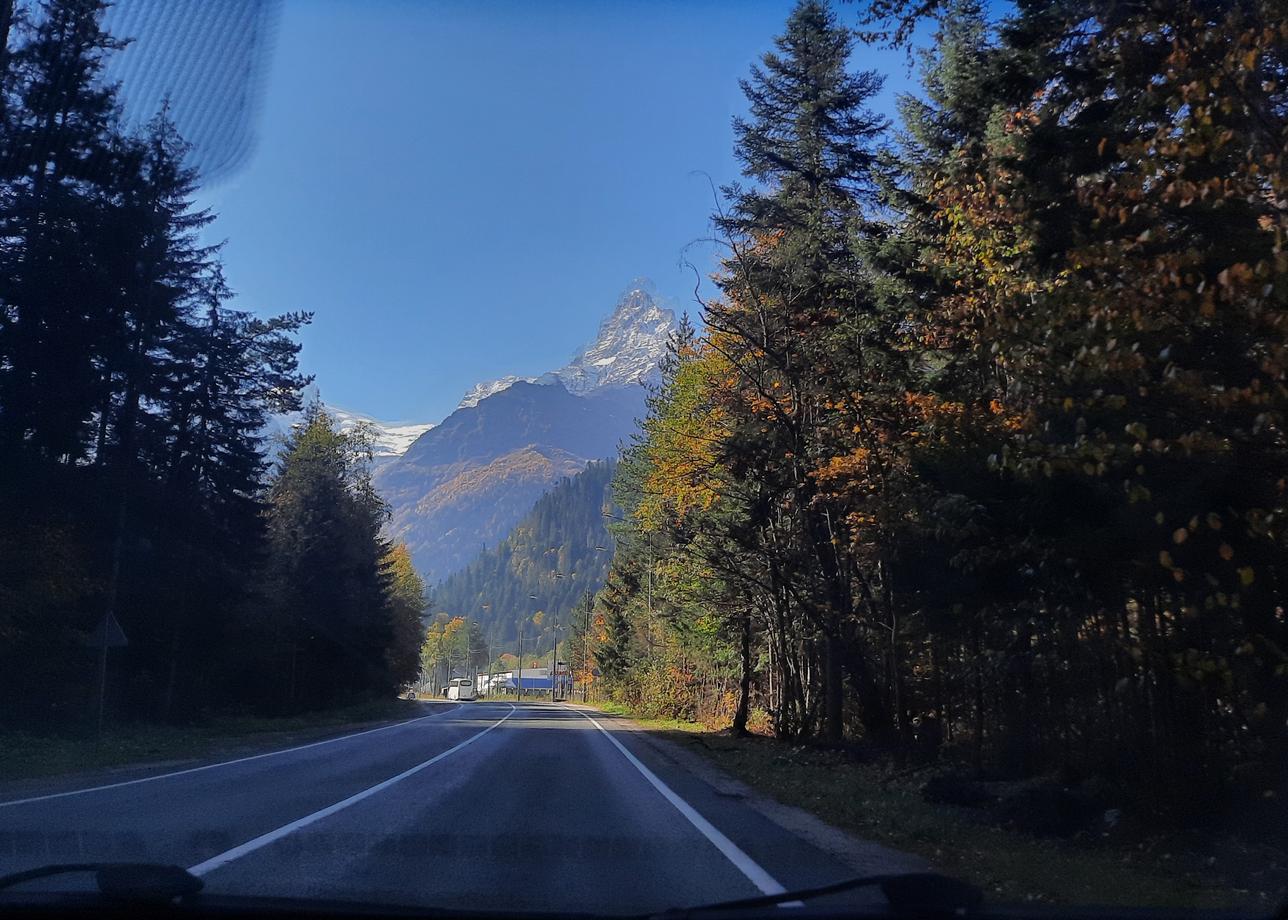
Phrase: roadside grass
(658, 725)
(876, 801)
(30, 755)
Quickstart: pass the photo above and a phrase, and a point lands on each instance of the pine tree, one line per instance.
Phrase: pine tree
(167, 277)
(132, 400)
(943, 509)
(10, 18)
(1109, 263)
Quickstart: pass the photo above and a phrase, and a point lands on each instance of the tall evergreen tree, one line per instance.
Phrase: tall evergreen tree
(797, 313)
(615, 645)
(327, 575)
(65, 171)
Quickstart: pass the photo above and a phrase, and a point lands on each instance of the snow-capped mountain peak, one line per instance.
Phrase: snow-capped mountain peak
(388, 439)
(627, 349)
(629, 345)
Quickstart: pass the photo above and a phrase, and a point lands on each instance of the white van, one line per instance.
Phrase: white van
(462, 688)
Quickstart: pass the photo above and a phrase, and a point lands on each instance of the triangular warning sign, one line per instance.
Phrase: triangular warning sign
(108, 633)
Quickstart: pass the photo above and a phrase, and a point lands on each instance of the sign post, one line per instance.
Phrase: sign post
(108, 634)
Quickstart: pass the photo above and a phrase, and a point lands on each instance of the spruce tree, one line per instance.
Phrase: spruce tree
(326, 572)
(797, 313)
(65, 169)
(615, 652)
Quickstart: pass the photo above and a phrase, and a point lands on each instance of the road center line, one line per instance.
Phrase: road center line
(264, 840)
(755, 873)
(224, 763)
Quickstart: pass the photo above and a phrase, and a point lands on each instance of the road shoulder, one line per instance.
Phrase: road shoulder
(860, 809)
(863, 857)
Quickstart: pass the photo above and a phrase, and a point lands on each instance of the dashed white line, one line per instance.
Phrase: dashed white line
(264, 840)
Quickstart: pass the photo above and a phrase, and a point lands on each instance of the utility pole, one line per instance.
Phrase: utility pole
(489, 640)
(585, 651)
(554, 646)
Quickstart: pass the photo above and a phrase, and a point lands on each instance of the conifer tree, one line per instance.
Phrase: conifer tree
(64, 168)
(326, 572)
(615, 646)
(796, 312)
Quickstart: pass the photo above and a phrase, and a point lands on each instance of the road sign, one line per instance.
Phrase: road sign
(108, 634)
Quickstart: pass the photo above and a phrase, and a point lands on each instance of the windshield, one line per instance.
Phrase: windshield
(614, 457)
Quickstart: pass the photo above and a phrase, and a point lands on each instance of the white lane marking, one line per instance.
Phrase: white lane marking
(215, 766)
(732, 852)
(263, 840)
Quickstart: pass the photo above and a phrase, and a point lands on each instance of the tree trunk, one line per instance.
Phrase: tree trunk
(978, 655)
(744, 683)
(833, 691)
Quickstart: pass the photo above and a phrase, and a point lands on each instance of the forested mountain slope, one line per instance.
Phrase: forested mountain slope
(566, 533)
(464, 484)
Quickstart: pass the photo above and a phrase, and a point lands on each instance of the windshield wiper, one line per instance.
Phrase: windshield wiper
(921, 894)
(128, 881)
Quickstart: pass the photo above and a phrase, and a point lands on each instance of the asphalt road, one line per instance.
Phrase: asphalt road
(481, 806)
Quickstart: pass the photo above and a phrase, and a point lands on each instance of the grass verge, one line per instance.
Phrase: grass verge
(656, 725)
(29, 755)
(877, 802)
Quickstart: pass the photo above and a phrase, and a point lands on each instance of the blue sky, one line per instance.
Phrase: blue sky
(460, 190)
